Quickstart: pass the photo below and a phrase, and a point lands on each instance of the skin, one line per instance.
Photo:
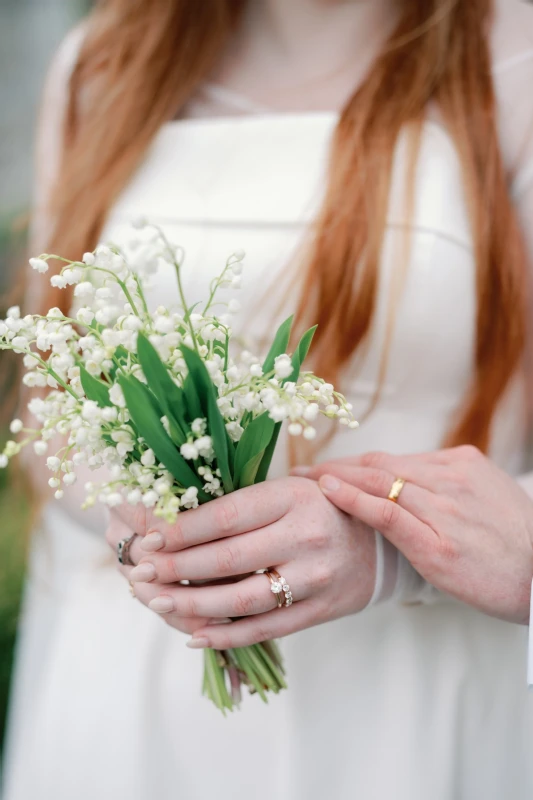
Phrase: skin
(465, 525)
(327, 557)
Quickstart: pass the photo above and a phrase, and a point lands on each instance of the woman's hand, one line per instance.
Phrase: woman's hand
(464, 524)
(327, 557)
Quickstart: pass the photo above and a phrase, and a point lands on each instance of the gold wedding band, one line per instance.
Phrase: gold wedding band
(396, 489)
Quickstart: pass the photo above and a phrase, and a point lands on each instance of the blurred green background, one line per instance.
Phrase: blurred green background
(30, 31)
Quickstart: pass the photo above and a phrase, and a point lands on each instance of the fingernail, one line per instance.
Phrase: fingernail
(197, 643)
(162, 605)
(152, 541)
(143, 573)
(300, 471)
(221, 621)
(328, 483)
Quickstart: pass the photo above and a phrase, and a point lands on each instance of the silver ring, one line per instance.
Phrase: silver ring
(279, 587)
(123, 551)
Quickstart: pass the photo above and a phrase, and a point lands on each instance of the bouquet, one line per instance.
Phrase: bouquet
(165, 401)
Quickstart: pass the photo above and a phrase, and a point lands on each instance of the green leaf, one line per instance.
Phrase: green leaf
(169, 395)
(206, 393)
(192, 400)
(301, 352)
(250, 449)
(95, 390)
(279, 345)
(148, 425)
(262, 472)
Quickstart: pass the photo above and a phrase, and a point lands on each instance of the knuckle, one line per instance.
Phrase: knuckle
(301, 490)
(446, 550)
(389, 514)
(469, 453)
(191, 606)
(243, 604)
(322, 576)
(228, 560)
(171, 567)
(319, 538)
(375, 460)
(376, 481)
(178, 538)
(262, 633)
(226, 514)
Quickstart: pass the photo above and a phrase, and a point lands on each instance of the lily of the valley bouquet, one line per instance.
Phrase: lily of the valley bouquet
(165, 401)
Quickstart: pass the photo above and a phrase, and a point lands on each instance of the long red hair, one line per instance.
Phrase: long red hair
(142, 60)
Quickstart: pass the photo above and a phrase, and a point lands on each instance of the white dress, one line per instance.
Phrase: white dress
(404, 702)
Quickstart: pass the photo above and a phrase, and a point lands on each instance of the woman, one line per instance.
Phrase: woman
(393, 139)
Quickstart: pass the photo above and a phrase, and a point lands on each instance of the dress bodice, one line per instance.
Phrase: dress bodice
(256, 182)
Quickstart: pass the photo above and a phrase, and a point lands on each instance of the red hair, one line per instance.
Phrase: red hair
(142, 60)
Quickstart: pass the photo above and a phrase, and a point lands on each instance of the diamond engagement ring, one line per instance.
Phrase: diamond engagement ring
(123, 551)
(279, 587)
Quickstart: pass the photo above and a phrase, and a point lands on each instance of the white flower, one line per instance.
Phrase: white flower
(190, 498)
(283, 366)
(205, 447)
(3, 329)
(85, 315)
(279, 412)
(39, 264)
(295, 429)
(234, 306)
(114, 499)
(353, 424)
(40, 448)
(109, 414)
(235, 431)
(134, 497)
(116, 395)
(53, 483)
(162, 486)
(309, 434)
(148, 458)
(84, 289)
(53, 463)
(69, 479)
(3, 461)
(198, 427)
(58, 281)
(59, 494)
(89, 259)
(256, 370)
(19, 343)
(150, 499)
(163, 324)
(13, 312)
(16, 426)
(189, 451)
(311, 412)
(79, 458)
(91, 411)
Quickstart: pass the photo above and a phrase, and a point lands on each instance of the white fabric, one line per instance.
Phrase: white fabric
(403, 702)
